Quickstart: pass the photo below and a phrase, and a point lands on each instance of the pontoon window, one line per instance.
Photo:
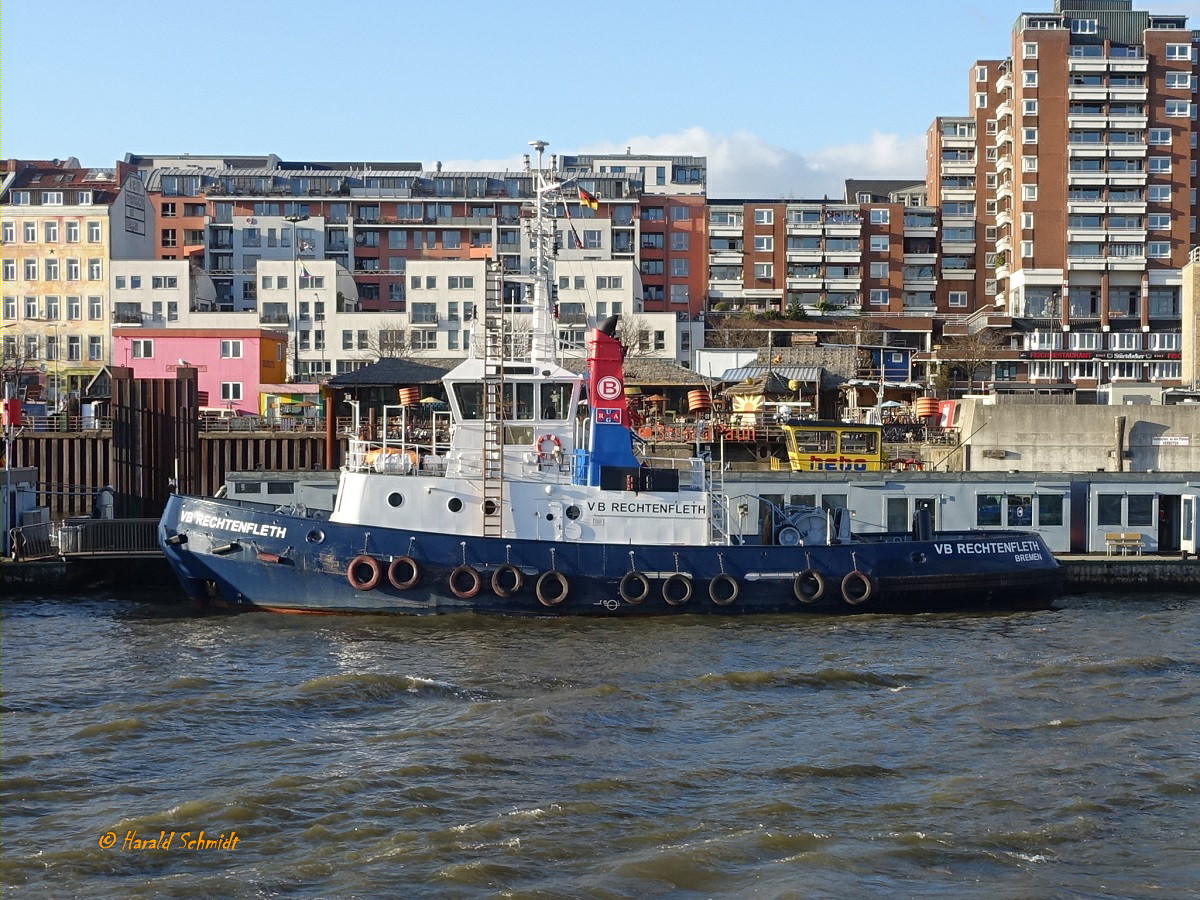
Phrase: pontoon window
(1050, 509)
(1020, 510)
(987, 509)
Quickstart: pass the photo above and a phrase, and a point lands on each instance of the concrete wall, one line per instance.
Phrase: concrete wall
(1038, 438)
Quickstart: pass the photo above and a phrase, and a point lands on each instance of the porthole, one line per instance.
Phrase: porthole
(454, 504)
(574, 512)
(549, 517)
(489, 507)
(918, 557)
(395, 499)
(316, 536)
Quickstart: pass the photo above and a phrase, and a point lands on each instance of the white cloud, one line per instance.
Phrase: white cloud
(744, 165)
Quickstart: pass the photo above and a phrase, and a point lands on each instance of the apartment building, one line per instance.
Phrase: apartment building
(1084, 153)
(825, 265)
(231, 363)
(62, 226)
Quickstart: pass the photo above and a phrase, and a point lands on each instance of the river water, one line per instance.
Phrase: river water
(1034, 754)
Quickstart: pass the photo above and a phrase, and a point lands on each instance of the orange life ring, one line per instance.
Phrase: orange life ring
(555, 450)
(371, 581)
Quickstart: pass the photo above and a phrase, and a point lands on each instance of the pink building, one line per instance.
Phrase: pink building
(231, 364)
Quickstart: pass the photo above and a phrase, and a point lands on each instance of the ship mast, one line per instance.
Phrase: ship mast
(548, 192)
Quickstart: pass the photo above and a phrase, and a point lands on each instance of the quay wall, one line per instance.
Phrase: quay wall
(1058, 438)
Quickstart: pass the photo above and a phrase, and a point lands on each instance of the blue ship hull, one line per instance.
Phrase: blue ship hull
(244, 556)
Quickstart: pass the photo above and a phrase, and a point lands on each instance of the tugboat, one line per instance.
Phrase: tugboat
(540, 506)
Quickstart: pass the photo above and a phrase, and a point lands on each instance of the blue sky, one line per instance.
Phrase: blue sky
(785, 98)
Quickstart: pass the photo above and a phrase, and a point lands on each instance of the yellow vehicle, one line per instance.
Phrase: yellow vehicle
(816, 446)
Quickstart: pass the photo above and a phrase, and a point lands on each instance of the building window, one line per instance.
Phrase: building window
(231, 349)
(1159, 193)
(74, 348)
(231, 391)
(1158, 249)
(880, 216)
(95, 309)
(679, 294)
(1179, 51)
(1026, 249)
(1158, 221)
(958, 298)
(1029, 79)
(1159, 136)
(608, 282)
(981, 73)
(764, 217)
(93, 232)
(1158, 164)
(160, 282)
(1029, 107)
(1029, 50)
(880, 243)
(52, 198)
(73, 270)
(423, 339)
(1178, 109)
(764, 271)
(95, 271)
(879, 270)
(1029, 135)
(679, 267)
(981, 101)
(880, 297)
(142, 348)
(95, 348)
(31, 308)
(679, 240)
(1029, 192)
(764, 243)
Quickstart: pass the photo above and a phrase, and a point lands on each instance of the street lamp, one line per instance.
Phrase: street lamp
(295, 295)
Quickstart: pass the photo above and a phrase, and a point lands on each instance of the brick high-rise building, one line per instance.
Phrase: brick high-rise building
(1084, 165)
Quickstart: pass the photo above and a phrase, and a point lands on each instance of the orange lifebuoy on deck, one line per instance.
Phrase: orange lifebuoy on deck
(555, 450)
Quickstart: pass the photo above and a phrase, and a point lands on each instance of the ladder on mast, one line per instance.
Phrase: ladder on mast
(493, 402)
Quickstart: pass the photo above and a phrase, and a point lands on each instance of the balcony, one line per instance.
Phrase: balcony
(1087, 92)
(274, 318)
(1003, 137)
(1081, 149)
(1003, 217)
(1128, 66)
(1087, 120)
(1004, 164)
(1090, 64)
(1004, 189)
(1130, 94)
(1127, 179)
(952, 194)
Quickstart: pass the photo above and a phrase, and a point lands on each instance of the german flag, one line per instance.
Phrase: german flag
(588, 200)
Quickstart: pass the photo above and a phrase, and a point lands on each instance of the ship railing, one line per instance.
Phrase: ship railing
(30, 541)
